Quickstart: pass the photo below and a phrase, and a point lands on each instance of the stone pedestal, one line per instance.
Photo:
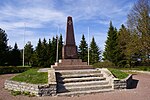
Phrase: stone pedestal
(71, 64)
(69, 52)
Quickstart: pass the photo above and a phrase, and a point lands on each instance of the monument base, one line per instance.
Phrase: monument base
(71, 64)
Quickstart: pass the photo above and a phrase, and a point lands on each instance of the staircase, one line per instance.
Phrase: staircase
(75, 82)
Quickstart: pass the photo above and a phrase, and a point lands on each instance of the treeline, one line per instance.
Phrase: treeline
(44, 54)
(130, 46)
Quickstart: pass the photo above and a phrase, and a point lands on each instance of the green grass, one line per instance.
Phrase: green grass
(32, 76)
(117, 73)
(143, 68)
(140, 68)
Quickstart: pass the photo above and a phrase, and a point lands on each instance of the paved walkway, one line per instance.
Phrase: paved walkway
(142, 92)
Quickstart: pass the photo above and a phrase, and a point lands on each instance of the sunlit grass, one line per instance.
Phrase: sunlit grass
(32, 76)
(118, 74)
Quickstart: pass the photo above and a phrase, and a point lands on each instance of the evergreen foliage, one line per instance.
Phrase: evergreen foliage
(3, 47)
(60, 45)
(15, 56)
(83, 49)
(53, 50)
(94, 52)
(123, 40)
(111, 50)
(45, 53)
(28, 51)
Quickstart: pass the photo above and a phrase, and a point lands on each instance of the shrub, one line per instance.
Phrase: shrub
(9, 70)
(15, 93)
(105, 64)
(25, 93)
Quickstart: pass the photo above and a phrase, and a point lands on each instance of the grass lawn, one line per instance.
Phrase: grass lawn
(117, 73)
(142, 68)
(32, 76)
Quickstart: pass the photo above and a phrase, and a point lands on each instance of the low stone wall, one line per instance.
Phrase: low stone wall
(124, 83)
(38, 90)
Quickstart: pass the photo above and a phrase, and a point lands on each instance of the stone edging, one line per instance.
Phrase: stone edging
(115, 82)
(38, 90)
(123, 83)
(35, 89)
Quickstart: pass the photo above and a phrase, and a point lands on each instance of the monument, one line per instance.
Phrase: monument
(69, 50)
(70, 59)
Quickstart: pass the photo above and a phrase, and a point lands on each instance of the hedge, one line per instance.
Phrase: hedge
(10, 70)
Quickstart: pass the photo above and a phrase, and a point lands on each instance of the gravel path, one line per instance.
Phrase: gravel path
(142, 92)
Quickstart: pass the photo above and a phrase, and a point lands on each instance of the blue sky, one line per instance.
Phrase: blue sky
(42, 18)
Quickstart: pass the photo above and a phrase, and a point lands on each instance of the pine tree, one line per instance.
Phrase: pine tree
(39, 53)
(94, 52)
(34, 59)
(15, 56)
(123, 40)
(45, 57)
(28, 51)
(3, 47)
(42, 53)
(60, 45)
(83, 49)
(111, 51)
(49, 49)
(53, 51)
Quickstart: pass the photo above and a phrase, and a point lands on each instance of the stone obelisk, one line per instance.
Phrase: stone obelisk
(70, 59)
(69, 50)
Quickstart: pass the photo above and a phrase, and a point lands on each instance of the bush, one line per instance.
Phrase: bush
(26, 93)
(9, 70)
(105, 64)
(15, 93)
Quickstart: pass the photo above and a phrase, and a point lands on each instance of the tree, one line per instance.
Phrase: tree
(38, 53)
(49, 49)
(15, 56)
(123, 41)
(3, 47)
(42, 54)
(139, 24)
(34, 59)
(45, 56)
(83, 49)
(60, 45)
(28, 51)
(53, 50)
(94, 52)
(111, 47)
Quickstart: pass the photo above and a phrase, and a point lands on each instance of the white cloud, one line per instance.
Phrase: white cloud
(40, 15)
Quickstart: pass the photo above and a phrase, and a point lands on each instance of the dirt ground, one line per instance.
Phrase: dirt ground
(141, 92)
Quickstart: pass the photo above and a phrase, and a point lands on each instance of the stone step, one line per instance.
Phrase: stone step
(67, 80)
(83, 83)
(71, 72)
(83, 88)
(80, 75)
(71, 62)
(83, 92)
(72, 67)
